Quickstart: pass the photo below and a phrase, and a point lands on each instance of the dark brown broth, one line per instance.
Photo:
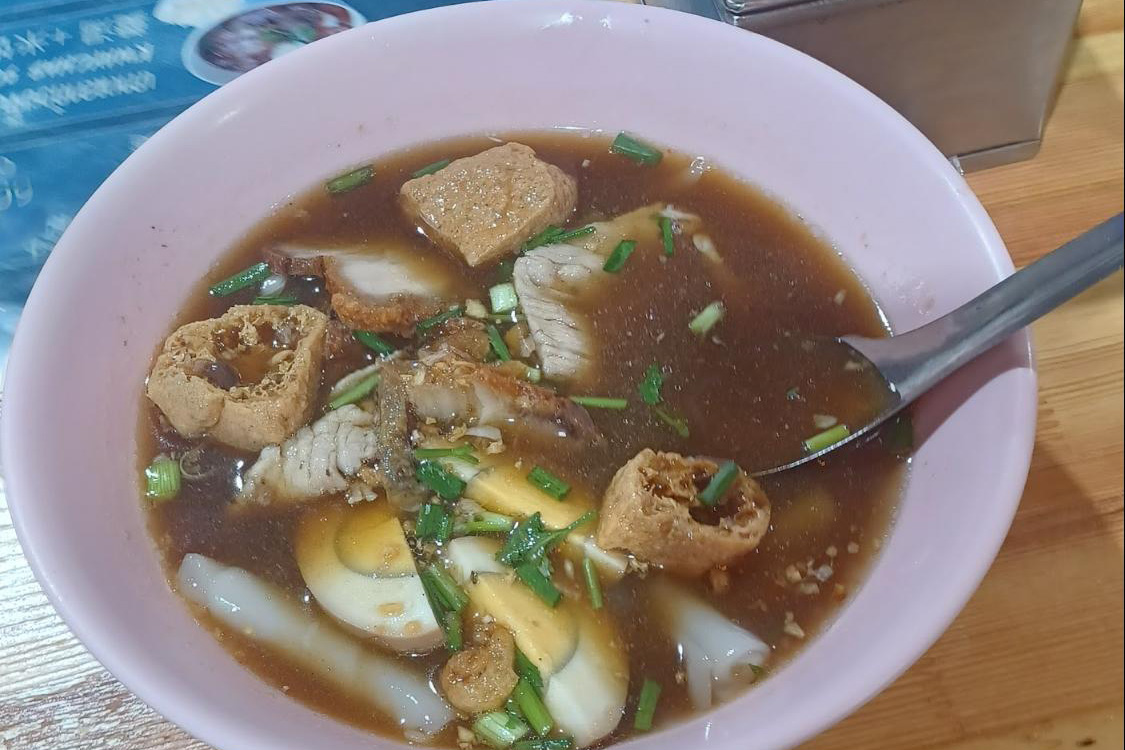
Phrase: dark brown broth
(749, 392)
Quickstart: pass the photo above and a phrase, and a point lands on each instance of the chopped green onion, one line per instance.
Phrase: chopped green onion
(532, 708)
(356, 392)
(646, 705)
(666, 235)
(287, 300)
(600, 402)
(503, 297)
(720, 482)
(483, 522)
(573, 234)
(707, 318)
(426, 324)
(527, 670)
(758, 671)
(822, 440)
(677, 423)
(631, 148)
(593, 584)
(437, 166)
(545, 743)
(255, 274)
(449, 595)
(463, 452)
(454, 635)
(619, 255)
(374, 342)
(435, 524)
(546, 237)
(533, 374)
(496, 341)
(445, 485)
(651, 384)
(539, 583)
(350, 180)
(548, 482)
(898, 434)
(162, 479)
(499, 729)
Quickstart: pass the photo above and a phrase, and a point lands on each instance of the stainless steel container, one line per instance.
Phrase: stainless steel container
(976, 76)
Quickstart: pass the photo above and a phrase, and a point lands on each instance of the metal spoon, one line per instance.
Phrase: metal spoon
(913, 362)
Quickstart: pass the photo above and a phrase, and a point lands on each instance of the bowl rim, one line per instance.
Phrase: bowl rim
(889, 664)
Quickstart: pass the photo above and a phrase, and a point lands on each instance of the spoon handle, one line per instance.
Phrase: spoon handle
(915, 361)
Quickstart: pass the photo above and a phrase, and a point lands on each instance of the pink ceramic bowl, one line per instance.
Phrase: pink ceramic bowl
(897, 211)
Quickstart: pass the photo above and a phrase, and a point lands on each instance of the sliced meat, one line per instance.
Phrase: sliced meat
(396, 462)
(322, 458)
(481, 678)
(484, 207)
(652, 510)
(247, 378)
(548, 281)
(384, 288)
(551, 279)
(454, 391)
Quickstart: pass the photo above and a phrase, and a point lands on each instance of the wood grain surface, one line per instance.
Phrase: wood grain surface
(1035, 660)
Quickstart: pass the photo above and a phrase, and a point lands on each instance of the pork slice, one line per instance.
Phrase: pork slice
(320, 459)
(549, 281)
(385, 287)
(453, 391)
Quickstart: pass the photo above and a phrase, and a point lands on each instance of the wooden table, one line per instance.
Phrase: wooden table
(1035, 660)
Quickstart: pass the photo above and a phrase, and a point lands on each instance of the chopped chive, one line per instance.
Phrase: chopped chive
(646, 705)
(720, 482)
(593, 584)
(677, 423)
(527, 670)
(546, 237)
(444, 485)
(435, 524)
(539, 583)
(707, 318)
(600, 402)
(437, 166)
(450, 596)
(454, 635)
(573, 234)
(666, 235)
(503, 297)
(548, 482)
(248, 277)
(639, 151)
(424, 325)
(620, 254)
(356, 392)
(532, 708)
(651, 384)
(350, 180)
(162, 479)
(483, 523)
(822, 440)
(545, 743)
(374, 342)
(462, 452)
(288, 300)
(497, 343)
(499, 729)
